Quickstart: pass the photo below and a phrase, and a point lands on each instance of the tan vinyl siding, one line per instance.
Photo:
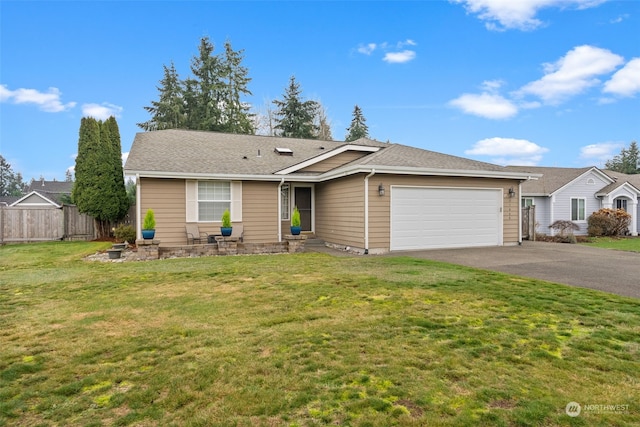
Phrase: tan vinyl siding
(334, 162)
(340, 207)
(340, 211)
(260, 211)
(167, 199)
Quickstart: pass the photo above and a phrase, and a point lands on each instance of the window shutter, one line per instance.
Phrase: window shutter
(236, 201)
(191, 190)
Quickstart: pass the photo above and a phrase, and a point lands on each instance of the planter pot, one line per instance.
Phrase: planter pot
(226, 231)
(295, 230)
(114, 253)
(148, 234)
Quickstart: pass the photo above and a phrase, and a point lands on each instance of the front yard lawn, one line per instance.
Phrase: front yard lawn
(305, 340)
(621, 243)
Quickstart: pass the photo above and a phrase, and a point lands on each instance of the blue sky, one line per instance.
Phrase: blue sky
(535, 82)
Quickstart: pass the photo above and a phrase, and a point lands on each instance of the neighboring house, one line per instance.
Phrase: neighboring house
(52, 190)
(366, 195)
(35, 199)
(575, 193)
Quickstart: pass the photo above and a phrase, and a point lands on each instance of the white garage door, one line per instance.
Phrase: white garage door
(427, 218)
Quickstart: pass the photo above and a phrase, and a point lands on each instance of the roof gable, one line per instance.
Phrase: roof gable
(555, 179)
(35, 199)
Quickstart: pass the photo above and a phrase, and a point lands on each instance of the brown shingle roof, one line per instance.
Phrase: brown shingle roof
(196, 152)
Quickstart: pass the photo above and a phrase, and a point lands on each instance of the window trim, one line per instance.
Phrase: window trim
(584, 209)
(524, 201)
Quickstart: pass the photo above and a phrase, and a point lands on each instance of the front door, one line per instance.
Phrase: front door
(302, 197)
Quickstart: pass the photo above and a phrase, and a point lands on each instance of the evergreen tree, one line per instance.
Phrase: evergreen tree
(628, 161)
(207, 71)
(358, 128)
(168, 111)
(295, 117)
(11, 183)
(209, 100)
(98, 191)
(236, 117)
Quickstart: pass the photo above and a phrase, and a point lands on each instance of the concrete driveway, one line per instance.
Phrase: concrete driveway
(606, 270)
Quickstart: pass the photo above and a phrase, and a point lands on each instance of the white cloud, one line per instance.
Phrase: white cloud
(392, 53)
(487, 105)
(399, 57)
(572, 74)
(600, 152)
(509, 151)
(626, 81)
(101, 111)
(46, 101)
(503, 15)
(367, 49)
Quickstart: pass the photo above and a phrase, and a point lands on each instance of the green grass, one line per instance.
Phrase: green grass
(620, 243)
(304, 340)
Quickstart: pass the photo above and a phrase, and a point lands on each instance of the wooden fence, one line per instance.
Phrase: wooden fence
(35, 224)
(529, 223)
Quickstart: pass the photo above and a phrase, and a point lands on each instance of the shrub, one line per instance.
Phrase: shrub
(295, 217)
(564, 226)
(149, 222)
(125, 233)
(226, 219)
(608, 222)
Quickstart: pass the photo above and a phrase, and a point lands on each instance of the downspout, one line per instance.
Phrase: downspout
(520, 213)
(280, 210)
(366, 211)
(138, 208)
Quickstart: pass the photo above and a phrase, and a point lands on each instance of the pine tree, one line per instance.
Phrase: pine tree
(11, 183)
(235, 117)
(295, 117)
(628, 161)
(168, 111)
(99, 186)
(207, 70)
(358, 128)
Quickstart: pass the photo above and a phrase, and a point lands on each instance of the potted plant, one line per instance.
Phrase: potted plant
(226, 228)
(295, 221)
(149, 225)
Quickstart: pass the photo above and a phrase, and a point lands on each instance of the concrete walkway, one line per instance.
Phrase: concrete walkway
(607, 270)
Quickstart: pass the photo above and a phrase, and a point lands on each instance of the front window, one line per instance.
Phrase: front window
(284, 201)
(578, 209)
(621, 204)
(214, 197)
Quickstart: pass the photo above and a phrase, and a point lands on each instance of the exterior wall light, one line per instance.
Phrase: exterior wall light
(512, 192)
(381, 190)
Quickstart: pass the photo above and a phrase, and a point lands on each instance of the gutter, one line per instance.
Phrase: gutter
(366, 211)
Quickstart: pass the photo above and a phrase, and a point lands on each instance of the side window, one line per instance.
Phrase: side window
(284, 201)
(578, 209)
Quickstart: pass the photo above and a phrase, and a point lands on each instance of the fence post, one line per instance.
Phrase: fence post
(1, 225)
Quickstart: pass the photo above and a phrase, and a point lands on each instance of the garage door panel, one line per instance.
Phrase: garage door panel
(424, 218)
